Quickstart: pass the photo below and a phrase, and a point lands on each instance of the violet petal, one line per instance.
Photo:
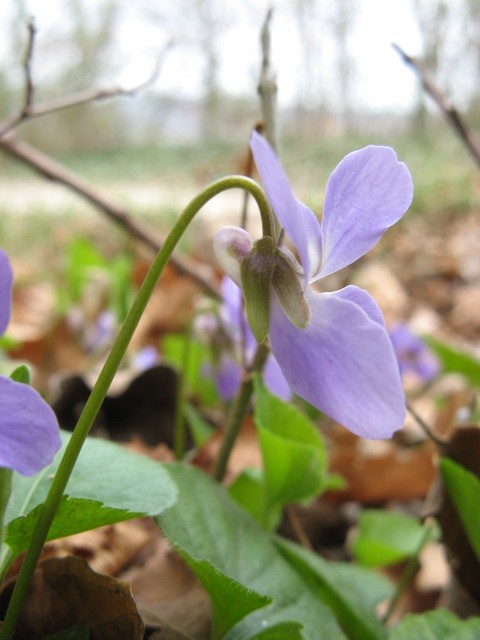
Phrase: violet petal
(343, 363)
(299, 221)
(29, 434)
(367, 193)
(6, 279)
(275, 380)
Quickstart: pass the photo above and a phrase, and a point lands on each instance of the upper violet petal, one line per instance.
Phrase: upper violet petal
(6, 279)
(343, 363)
(29, 434)
(367, 193)
(299, 221)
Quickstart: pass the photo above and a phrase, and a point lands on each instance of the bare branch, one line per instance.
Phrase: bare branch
(27, 66)
(30, 111)
(446, 107)
(50, 169)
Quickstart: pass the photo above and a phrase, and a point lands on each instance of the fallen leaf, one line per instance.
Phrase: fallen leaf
(65, 592)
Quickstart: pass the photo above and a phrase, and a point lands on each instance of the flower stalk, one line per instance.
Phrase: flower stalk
(239, 409)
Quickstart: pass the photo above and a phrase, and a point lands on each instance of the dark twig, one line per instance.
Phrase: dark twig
(50, 169)
(421, 422)
(27, 66)
(446, 107)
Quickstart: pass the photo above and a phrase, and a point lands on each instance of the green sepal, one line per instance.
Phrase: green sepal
(288, 288)
(256, 271)
(21, 374)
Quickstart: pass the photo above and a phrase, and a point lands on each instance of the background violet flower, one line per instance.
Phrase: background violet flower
(29, 434)
(342, 361)
(413, 354)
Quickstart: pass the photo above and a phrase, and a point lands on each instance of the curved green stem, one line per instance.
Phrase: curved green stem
(105, 378)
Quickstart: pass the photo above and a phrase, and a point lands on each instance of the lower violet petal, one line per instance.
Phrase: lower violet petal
(29, 434)
(343, 363)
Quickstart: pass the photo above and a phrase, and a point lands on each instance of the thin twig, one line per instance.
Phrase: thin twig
(410, 569)
(52, 170)
(446, 107)
(421, 422)
(297, 527)
(30, 111)
(27, 66)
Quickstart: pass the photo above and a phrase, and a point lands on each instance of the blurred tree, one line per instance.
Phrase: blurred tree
(450, 52)
(199, 25)
(310, 105)
(84, 35)
(343, 14)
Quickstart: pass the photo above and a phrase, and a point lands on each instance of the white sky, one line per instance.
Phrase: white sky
(381, 79)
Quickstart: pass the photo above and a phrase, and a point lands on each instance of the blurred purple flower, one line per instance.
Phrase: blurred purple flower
(341, 360)
(146, 358)
(29, 434)
(413, 354)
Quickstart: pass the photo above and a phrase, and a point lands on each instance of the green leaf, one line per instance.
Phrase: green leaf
(248, 491)
(282, 631)
(351, 592)
(231, 601)
(200, 429)
(21, 374)
(386, 537)
(82, 257)
(73, 515)
(436, 625)
(121, 484)
(206, 526)
(293, 452)
(454, 361)
(464, 489)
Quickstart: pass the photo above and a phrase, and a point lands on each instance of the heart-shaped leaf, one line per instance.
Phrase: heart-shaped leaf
(108, 484)
(221, 544)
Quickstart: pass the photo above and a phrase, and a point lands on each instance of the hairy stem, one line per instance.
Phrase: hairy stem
(106, 376)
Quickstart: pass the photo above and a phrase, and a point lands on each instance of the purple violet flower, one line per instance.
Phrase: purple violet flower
(29, 434)
(332, 348)
(413, 354)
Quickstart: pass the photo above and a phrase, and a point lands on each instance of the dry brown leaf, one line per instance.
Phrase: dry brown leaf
(65, 592)
(168, 594)
(378, 473)
(107, 549)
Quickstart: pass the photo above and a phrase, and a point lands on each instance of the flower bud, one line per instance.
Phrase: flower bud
(256, 270)
(231, 245)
